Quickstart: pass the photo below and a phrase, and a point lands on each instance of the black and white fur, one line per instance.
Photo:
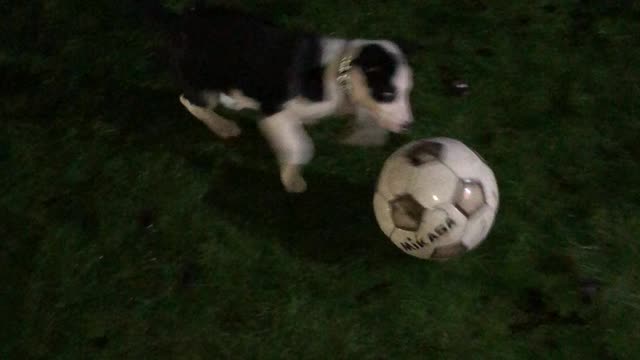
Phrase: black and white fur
(223, 57)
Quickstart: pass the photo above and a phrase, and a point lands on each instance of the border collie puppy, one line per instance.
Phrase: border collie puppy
(223, 57)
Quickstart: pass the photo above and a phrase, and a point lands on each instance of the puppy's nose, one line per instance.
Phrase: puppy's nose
(406, 125)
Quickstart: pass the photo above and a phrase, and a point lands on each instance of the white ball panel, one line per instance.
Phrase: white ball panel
(492, 195)
(442, 226)
(478, 227)
(433, 184)
(408, 242)
(382, 211)
(467, 164)
(396, 176)
(448, 251)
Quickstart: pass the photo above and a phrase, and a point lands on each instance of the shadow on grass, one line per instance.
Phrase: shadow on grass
(334, 219)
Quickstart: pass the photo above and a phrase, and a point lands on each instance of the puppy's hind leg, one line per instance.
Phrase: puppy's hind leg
(221, 126)
(292, 146)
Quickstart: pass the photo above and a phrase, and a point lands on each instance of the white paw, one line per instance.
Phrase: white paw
(295, 185)
(292, 181)
(229, 131)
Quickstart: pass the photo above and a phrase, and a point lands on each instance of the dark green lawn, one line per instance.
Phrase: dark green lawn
(127, 230)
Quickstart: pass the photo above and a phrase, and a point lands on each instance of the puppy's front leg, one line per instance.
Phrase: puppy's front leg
(222, 127)
(366, 131)
(293, 147)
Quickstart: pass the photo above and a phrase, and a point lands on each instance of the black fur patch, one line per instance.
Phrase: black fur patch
(194, 96)
(219, 49)
(379, 67)
(308, 72)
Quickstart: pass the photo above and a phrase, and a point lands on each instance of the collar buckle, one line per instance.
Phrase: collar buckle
(344, 76)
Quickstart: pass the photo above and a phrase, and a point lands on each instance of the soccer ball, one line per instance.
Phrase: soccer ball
(436, 198)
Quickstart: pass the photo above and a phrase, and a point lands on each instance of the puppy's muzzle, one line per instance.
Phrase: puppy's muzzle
(393, 123)
(405, 126)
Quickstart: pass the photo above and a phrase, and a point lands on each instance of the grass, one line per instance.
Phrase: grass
(129, 231)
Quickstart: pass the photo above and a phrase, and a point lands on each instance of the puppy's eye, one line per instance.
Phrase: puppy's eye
(373, 69)
(387, 96)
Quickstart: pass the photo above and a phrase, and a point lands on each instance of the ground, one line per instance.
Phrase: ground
(129, 231)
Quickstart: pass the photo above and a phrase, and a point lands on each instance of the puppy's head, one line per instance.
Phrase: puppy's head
(381, 81)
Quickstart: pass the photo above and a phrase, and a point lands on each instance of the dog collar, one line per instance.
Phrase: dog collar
(344, 74)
